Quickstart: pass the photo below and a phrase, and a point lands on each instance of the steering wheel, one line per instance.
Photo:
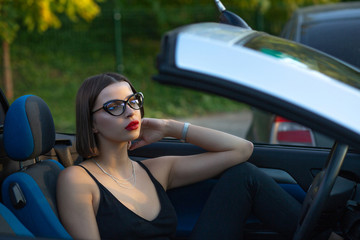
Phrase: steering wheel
(319, 191)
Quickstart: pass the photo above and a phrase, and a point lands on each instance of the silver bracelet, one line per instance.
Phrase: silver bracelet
(184, 132)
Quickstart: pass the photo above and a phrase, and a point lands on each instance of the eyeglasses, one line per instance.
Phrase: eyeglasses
(117, 107)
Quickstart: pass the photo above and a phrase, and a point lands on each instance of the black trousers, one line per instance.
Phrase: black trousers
(240, 191)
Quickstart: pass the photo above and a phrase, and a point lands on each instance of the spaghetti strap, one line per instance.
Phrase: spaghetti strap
(143, 166)
(92, 176)
(153, 179)
(139, 162)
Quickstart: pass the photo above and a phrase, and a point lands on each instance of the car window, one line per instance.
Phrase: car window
(339, 38)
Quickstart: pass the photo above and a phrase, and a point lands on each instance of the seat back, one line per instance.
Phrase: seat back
(31, 192)
(10, 225)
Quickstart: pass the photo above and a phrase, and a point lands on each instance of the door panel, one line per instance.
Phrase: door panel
(298, 163)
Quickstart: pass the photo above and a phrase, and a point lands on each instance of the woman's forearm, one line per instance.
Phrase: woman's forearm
(208, 139)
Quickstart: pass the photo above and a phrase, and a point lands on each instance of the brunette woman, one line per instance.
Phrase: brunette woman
(110, 196)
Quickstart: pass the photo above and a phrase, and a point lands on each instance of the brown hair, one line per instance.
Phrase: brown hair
(86, 143)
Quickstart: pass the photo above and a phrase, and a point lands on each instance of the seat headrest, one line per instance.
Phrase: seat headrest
(29, 129)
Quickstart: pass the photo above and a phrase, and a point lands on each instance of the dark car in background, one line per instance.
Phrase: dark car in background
(333, 29)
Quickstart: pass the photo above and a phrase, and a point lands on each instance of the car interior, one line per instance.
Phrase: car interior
(33, 155)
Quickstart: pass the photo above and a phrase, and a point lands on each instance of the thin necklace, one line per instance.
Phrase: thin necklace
(117, 180)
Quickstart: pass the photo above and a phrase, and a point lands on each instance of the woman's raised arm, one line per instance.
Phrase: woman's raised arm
(223, 151)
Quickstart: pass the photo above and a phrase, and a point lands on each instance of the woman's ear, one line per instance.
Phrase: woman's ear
(94, 128)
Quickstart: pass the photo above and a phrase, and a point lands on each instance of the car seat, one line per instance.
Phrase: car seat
(10, 225)
(31, 192)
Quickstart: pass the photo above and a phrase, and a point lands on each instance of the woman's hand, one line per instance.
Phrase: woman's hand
(152, 130)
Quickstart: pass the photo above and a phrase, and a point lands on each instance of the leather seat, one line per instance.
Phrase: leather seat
(10, 225)
(31, 192)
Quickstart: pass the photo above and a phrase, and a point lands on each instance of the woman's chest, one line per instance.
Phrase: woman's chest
(140, 197)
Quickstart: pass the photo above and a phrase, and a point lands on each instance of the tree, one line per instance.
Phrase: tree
(37, 15)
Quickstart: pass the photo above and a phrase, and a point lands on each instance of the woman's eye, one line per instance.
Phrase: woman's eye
(135, 103)
(114, 106)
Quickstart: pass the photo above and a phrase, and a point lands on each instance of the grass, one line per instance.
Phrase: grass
(52, 65)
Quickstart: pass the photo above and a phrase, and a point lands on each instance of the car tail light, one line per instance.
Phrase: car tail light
(285, 131)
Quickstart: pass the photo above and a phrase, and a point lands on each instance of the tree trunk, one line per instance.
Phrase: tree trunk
(8, 83)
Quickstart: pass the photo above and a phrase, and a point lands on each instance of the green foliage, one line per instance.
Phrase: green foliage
(264, 15)
(41, 14)
(52, 65)
(8, 25)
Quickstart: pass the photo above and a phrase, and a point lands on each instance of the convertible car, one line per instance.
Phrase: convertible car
(270, 73)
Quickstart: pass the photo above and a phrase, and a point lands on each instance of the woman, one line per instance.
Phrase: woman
(109, 196)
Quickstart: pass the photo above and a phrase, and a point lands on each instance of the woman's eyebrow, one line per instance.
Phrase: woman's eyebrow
(116, 99)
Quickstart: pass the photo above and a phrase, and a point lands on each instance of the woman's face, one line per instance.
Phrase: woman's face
(123, 128)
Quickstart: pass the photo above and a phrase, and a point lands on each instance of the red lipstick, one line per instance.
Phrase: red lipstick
(132, 125)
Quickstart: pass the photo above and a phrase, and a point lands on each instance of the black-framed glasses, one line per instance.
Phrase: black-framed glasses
(117, 107)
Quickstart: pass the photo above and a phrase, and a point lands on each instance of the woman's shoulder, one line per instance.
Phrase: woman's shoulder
(76, 191)
(74, 175)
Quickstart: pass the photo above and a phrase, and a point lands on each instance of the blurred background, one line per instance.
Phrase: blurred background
(50, 46)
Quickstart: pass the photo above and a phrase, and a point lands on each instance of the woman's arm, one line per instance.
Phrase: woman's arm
(75, 204)
(223, 151)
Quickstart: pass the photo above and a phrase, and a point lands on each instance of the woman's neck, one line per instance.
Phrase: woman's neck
(116, 160)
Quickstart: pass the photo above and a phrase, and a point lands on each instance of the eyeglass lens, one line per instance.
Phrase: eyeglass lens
(117, 107)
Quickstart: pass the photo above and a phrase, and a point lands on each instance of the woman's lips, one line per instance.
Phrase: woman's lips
(132, 125)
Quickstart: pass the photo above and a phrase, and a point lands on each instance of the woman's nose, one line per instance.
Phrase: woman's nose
(129, 112)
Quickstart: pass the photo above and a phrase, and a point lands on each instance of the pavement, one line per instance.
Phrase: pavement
(234, 123)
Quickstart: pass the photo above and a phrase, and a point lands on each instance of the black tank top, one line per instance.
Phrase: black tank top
(115, 221)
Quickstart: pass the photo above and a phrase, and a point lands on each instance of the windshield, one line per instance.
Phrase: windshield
(304, 57)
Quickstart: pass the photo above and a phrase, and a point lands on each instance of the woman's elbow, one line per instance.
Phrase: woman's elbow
(246, 151)
(250, 149)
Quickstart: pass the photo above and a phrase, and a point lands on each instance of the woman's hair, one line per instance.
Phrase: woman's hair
(86, 142)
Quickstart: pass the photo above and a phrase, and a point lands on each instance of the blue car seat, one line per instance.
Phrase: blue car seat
(31, 192)
(11, 226)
